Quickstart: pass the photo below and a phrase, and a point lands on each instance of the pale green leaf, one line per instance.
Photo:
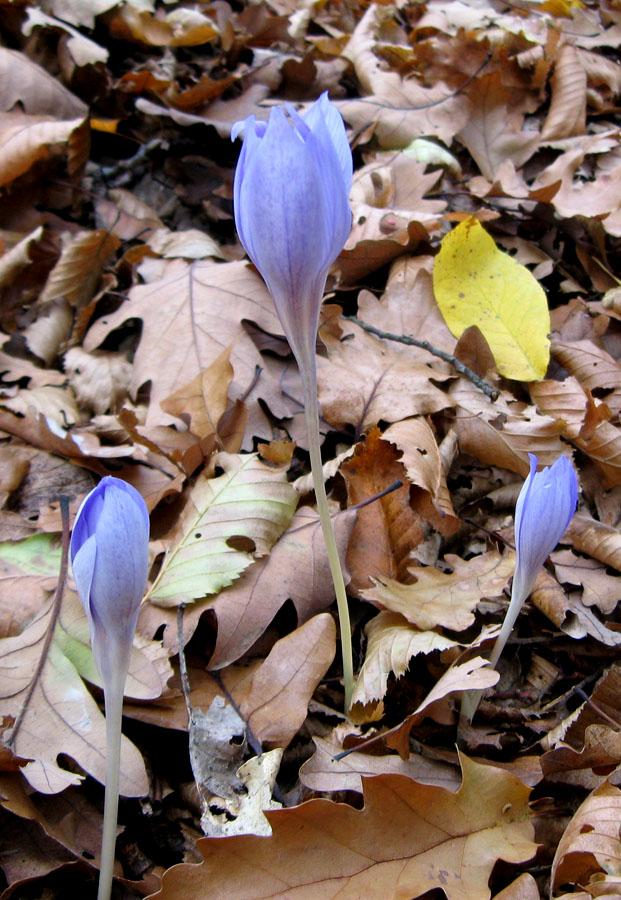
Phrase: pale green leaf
(251, 500)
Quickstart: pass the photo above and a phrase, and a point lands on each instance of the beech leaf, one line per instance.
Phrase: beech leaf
(477, 284)
(250, 500)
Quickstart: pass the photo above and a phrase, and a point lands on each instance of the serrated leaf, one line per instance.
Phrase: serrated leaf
(477, 284)
(391, 643)
(250, 500)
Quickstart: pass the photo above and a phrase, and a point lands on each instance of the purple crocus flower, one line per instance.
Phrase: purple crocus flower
(110, 558)
(543, 511)
(292, 212)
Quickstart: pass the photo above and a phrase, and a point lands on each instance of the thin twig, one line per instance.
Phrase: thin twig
(596, 708)
(55, 612)
(457, 364)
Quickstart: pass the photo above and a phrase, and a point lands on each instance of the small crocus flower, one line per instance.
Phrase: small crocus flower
(543, 511)
(291, 196)
(110, 557)
(292, 213)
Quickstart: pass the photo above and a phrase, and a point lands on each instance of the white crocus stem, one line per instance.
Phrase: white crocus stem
(113, 696)
(311, 407)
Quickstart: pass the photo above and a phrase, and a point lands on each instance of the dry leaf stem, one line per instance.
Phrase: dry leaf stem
(311, 408)
(56, 604)
(410, 341)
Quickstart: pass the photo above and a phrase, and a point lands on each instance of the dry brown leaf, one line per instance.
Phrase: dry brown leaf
(473, 675)
(365, 381)
(423, 465)
(26, 139)
(99, 379)
(600, 541)
(589, 363)
(570, 406)
(61, 716)
(18, 257)
(297, 569)
(57, 405)
(205, 399)
(601, 751)
(447, 599)
(125, 215)
(76, 274)
(191, 313)
(189, 244)
(391, 644)
(183, 27)
(81, 50)
(274, 699)
(493, 131)
(590, 848)
(599, 588)
(49, 333)
(503, 433)
(322, 772)
(25, 83)
(406, 840)
(567, 113)
(388, 529)
(400, 109)
(523, 888)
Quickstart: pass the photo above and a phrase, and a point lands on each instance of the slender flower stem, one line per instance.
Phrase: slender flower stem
(311, 407)
(113, 695)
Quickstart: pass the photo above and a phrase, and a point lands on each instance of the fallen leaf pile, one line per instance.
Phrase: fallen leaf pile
(473, 317)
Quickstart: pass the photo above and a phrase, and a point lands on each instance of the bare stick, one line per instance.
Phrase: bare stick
(410, 341)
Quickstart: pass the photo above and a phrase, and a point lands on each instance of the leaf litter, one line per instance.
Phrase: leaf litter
(138, 341)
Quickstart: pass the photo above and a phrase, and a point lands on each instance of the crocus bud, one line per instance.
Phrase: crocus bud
(109, 556)
(291, 196)
(543, 511)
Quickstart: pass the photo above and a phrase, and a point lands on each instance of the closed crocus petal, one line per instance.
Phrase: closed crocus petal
(109, 556)
(543, 511)
(292, 210)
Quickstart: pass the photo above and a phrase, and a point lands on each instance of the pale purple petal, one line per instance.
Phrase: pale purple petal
(109, 555)
(543, 511)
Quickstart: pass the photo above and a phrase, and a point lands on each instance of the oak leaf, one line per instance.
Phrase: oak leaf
(446, 599)
(408, 839)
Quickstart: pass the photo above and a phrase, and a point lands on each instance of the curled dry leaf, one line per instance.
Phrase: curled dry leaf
(503, 433)
(322, 772)
(408, 839)
(493, 132)
(76, 274)
(296, 569)
(24, 83)
(568, 403)
(26, 139)
(99, 379)
(205, 399)
(590, 848)
(400, 109)
(568, 83)
(602, 542)
(423, 465)
(445, 599)
(388, 529)
(391, 644)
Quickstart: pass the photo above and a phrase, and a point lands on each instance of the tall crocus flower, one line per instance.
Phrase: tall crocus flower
(543, 511)
(110, 557)
(292, 213)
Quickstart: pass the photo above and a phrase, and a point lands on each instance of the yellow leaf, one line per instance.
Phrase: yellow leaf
(477, 284)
